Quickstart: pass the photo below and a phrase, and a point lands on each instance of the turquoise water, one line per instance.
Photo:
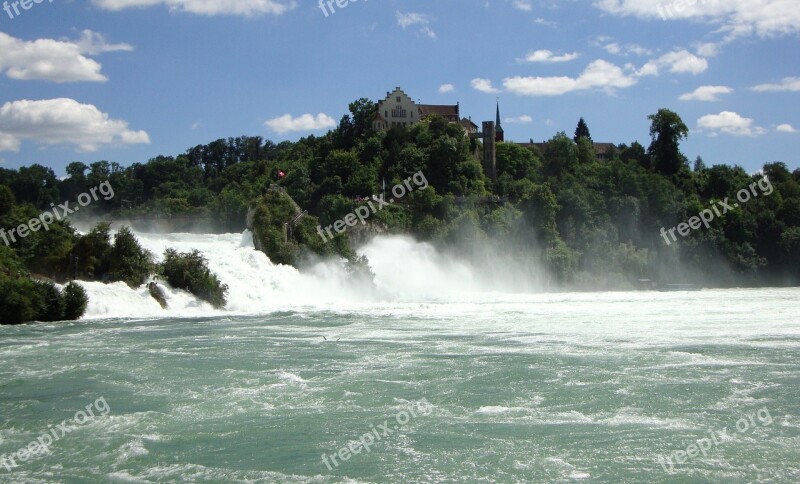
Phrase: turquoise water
(545, 388)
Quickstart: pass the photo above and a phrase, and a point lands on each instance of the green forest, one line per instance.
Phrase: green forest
(566, 217)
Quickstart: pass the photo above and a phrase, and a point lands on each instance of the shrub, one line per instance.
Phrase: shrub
(15, 301)
(75, 301)
(24, 300)
(128, 261)
(189, 271)
(92, 253)
(48, 303)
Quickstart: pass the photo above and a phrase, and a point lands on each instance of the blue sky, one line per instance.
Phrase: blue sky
(127, 80)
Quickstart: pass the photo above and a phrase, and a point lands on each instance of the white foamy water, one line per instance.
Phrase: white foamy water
(405, 271)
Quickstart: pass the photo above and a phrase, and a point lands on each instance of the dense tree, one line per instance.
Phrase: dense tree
(666, 131)
(560, 157)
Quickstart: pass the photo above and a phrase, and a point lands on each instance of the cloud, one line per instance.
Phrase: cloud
(785, 128)
(62, 121)
(546, 56)
(706, 93)
(708, 49)
(766, 18)
(524, 5)
(677, 62)
(245, 8)
(599, 74)
(406, 20)
(524, 119)
(445, 88)
(728, 122)
(93, 43)
(307, 122)
(55, 60)
(428, 32)
(483, 85)
(545, 22)
(617, 49)
(788, 84)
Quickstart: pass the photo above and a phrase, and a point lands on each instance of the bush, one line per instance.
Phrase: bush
(24, 300)
(92, 254)
(128, 261)
(48, 303)
(75, 301)
(189, 271)
(15, 300)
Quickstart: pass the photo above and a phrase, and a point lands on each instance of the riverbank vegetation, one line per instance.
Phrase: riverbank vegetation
(587, 219)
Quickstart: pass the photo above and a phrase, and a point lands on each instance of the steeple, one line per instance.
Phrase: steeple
(500, 136)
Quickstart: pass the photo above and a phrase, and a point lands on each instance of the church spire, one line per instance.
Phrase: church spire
(500, 135)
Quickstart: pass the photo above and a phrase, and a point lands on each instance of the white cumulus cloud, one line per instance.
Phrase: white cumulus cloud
(765, 18)
(728, 122)
(62, 122)
(788, 84)
(546, 56)
(55, 60)
(445, 88)
(483, 85)
(245, 8)
(785, 128)
(306, 122)
(599, 74)
(677, 62)
(706, 93)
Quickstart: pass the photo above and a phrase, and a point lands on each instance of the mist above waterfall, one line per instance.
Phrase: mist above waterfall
(405, 271)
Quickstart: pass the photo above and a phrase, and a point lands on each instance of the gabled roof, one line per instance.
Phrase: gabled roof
(396, 91)
(439, 109)
(604, 148)
(467, 123)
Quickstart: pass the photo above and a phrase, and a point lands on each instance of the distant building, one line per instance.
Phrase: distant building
(398, 109)
(605, 151)
(469, 126)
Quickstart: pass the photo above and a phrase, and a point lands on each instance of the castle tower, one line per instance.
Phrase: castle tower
(499, 134)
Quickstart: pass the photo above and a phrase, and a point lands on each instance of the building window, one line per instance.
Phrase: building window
(399, 112)
(398, 99)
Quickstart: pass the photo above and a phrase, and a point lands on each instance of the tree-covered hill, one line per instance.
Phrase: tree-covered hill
(584, 222)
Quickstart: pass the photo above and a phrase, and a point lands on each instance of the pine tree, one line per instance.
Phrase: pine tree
(582, 131)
